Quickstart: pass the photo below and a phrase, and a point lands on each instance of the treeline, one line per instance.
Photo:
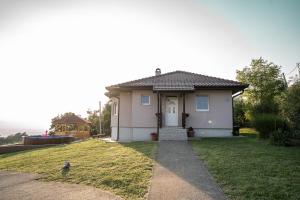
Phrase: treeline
(11, 139)
(270, 104)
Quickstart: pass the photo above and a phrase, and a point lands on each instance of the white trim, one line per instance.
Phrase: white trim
(146, 104)
(202, 110)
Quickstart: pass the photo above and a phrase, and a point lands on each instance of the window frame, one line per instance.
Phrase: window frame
(202, 110)
(146, 104)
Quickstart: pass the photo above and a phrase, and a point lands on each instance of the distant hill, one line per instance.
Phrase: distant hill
(10, 128)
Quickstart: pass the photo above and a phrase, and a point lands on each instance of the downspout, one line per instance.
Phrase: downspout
(233, 96)
(160, 111)
(183, 109)
(118, 129)
(158, 114)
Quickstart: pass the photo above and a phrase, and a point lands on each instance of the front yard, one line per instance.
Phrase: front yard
(250, 168)
(124, 169)
(245, 168)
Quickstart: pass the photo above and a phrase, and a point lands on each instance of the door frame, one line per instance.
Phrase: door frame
(177, 107)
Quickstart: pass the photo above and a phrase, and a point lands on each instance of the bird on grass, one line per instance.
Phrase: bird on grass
(66, 165)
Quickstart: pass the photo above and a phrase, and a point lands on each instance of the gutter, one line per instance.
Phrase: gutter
(237, 94)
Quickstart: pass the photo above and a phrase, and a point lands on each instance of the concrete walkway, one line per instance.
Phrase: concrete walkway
(15, 186)
(180, 174)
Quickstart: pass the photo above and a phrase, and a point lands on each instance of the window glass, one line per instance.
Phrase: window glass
(202, 103)
(145, 100)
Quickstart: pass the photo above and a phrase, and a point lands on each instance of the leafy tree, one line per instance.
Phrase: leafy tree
(93, 117)
(52, 126)
(265, 84)
(241, 110)
(106, 114)
(290, 105)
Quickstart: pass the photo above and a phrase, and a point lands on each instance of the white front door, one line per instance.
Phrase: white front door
(171, 111)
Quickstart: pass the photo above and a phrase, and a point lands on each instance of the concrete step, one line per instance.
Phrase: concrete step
(164, 138)
(172, 133)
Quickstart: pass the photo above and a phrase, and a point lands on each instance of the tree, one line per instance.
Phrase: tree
(290, 105)
(93, 117)
(240, 112)
(265, 84)
(52, 126)
(106, 115)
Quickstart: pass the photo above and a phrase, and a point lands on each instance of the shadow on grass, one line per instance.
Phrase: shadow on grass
(144, 148)
(64, 172)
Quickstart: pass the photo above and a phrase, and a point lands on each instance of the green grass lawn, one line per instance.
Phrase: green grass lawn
(124, 169)
(250, 168)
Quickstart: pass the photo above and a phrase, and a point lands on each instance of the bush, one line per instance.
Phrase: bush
(265, 124)
(281, 137)
(290, 105)
(239, 112)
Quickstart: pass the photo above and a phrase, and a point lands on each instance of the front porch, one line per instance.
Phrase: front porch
(171, 115)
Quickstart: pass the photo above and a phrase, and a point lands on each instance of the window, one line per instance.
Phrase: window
(115, 108)
(202, 103)
(145, 100)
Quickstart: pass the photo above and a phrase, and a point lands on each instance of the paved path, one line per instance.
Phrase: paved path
(15, 186)
(180, 174)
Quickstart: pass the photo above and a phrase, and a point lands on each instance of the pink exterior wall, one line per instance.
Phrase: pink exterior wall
(125, 109)
(219, 114)
(144, 115)
(134, 114)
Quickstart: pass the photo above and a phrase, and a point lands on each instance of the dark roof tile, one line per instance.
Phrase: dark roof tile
(179, 80)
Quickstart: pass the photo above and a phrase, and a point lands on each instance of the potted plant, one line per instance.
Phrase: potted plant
(190, 132)
(154, 136)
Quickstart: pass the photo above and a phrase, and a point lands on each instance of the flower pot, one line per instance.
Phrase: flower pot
(191, 133)
(154, 136)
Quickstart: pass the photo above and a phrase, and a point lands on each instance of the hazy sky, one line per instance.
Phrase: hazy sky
(58, 56)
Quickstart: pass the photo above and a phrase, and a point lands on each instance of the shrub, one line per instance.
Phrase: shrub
(265, 124)
(281, 137)
(290, 105)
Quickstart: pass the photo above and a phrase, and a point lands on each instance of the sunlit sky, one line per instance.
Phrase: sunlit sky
(58, 56)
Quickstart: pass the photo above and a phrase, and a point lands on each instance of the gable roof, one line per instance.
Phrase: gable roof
(179, 81)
